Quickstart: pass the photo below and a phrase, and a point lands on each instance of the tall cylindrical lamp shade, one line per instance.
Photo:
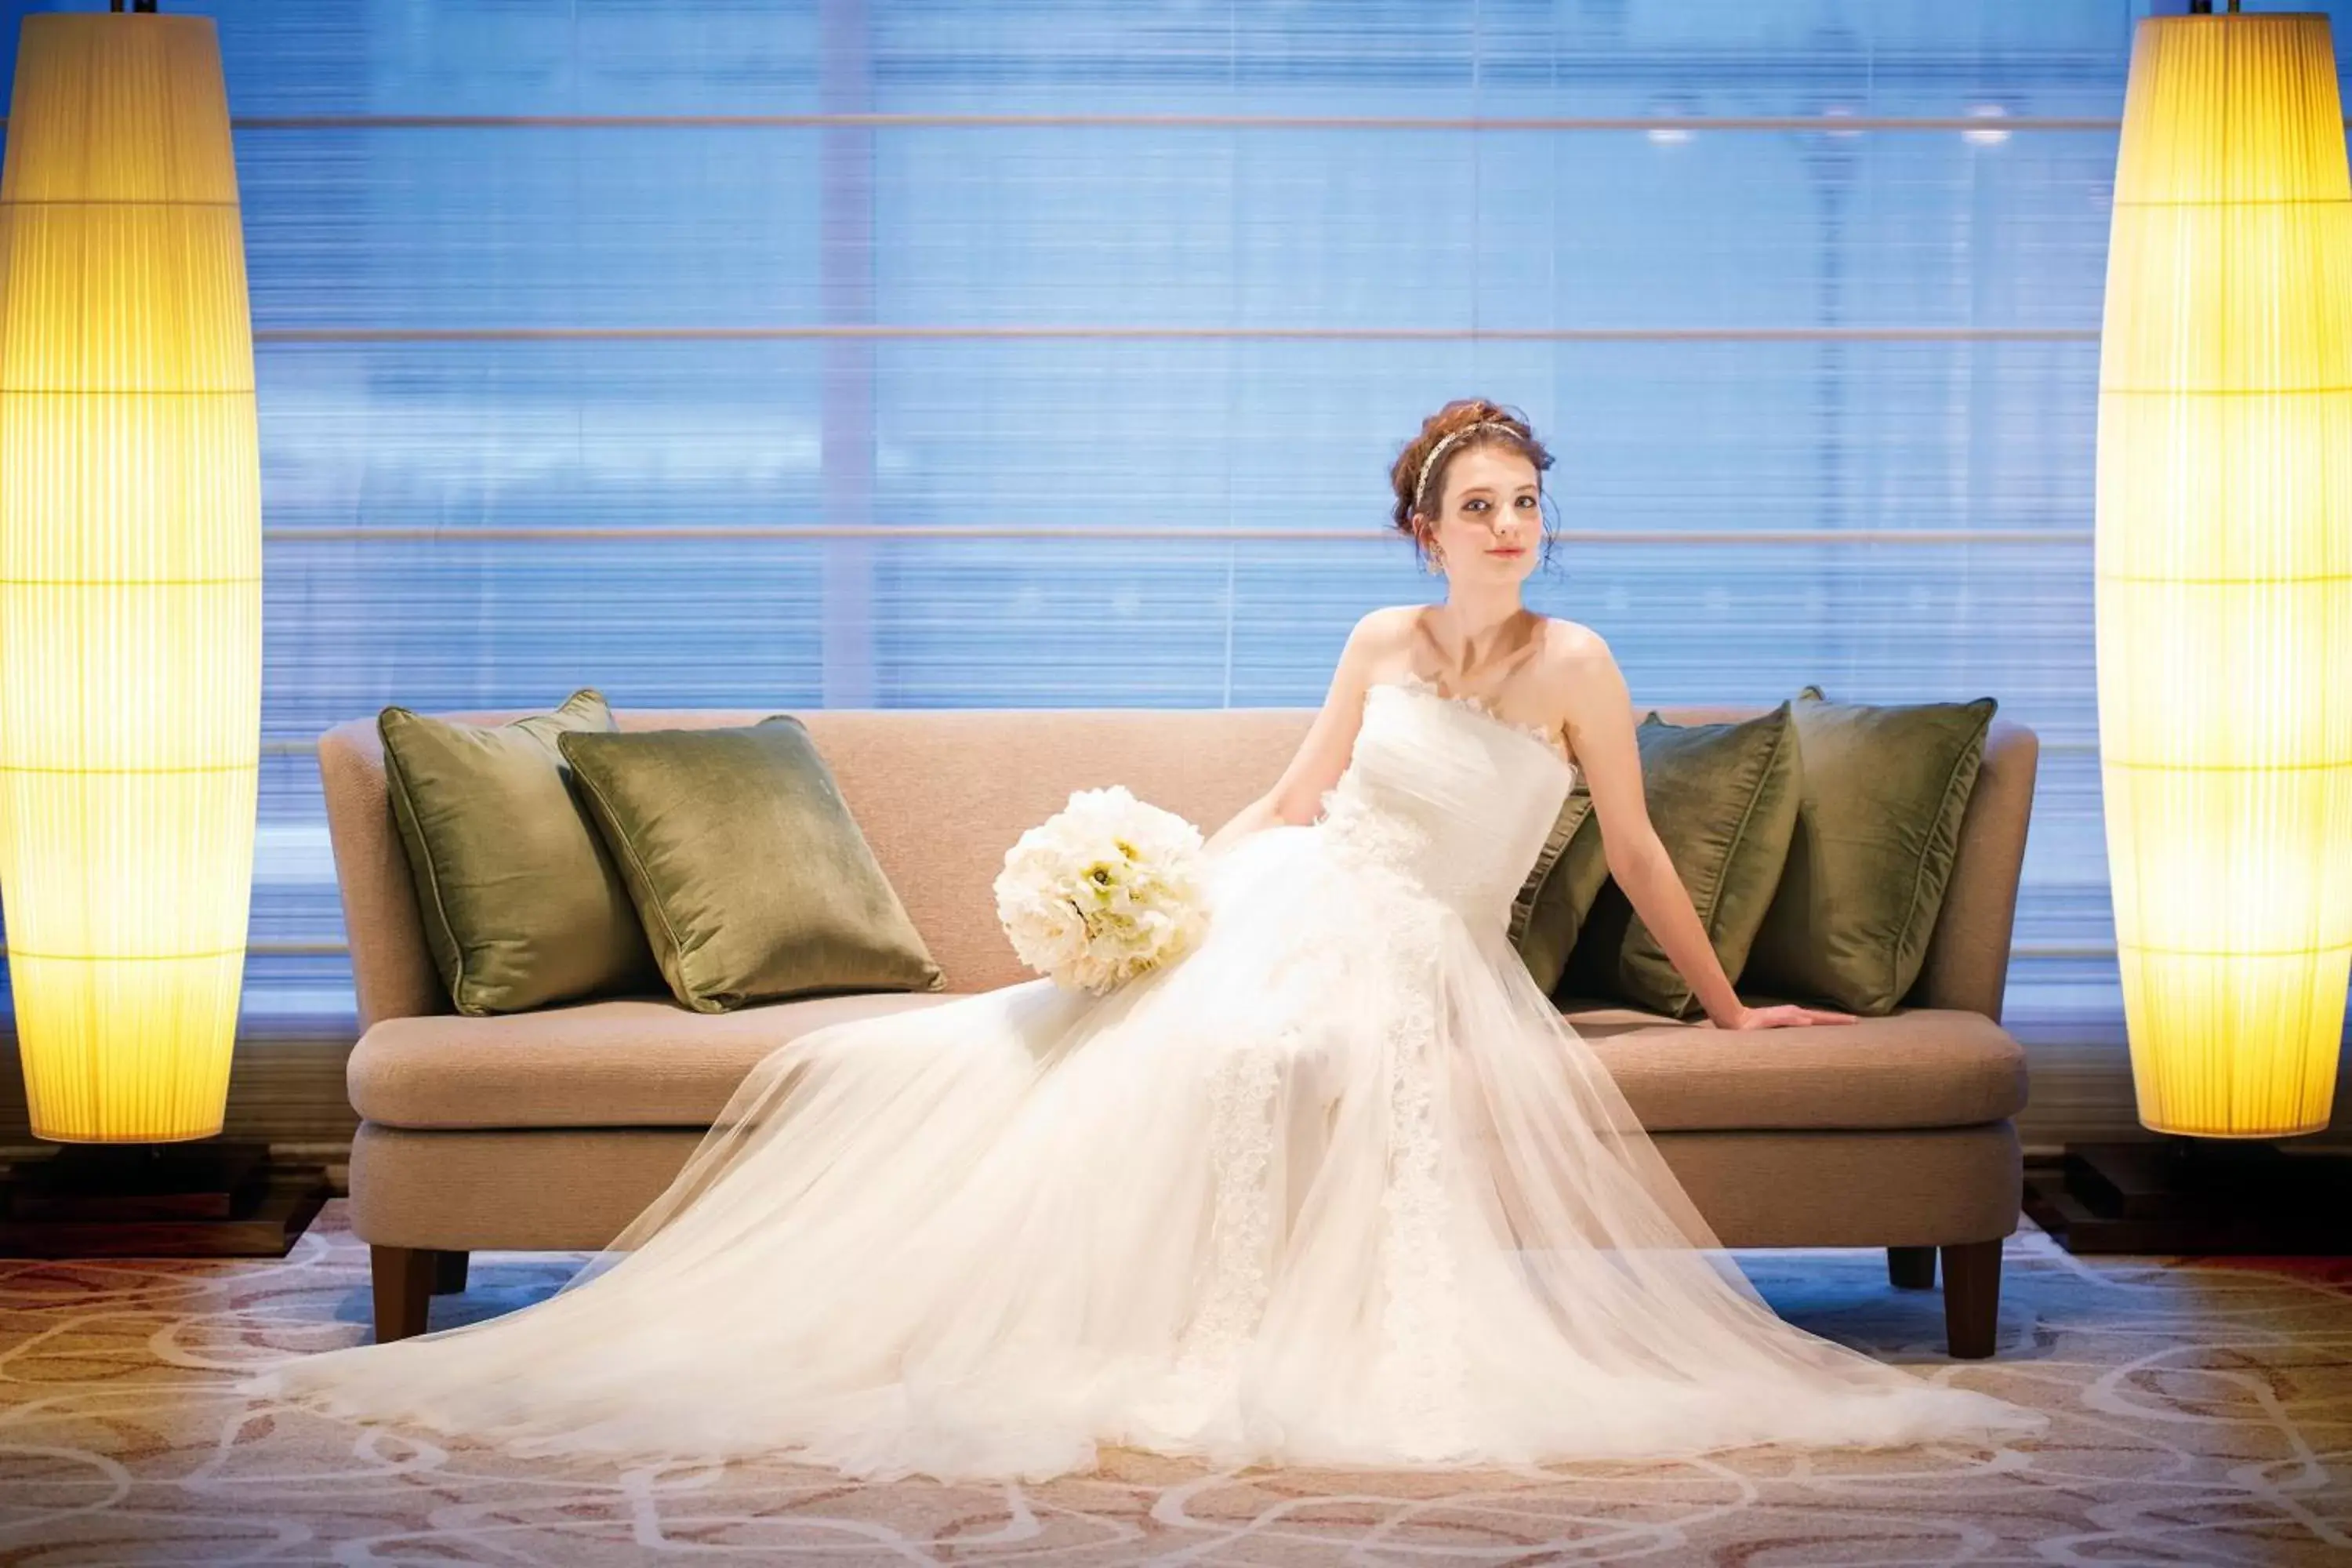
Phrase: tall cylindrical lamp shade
(129, 576)
(2224, 573)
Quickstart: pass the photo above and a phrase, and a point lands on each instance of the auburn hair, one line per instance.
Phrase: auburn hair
(1500, 426)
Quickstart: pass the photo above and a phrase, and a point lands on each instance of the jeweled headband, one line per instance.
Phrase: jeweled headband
(1421, 486)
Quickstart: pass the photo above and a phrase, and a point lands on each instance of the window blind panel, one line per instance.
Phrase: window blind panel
(384, 228)
(1895, 231)
(509, 58)
(499, 434)
(1876, 437)
(1654, 435)
(555, 227)
(1497, 230)
(1795, 58)
(1729, 624)
(1888, 56)
(445, 624)
(1375, 57)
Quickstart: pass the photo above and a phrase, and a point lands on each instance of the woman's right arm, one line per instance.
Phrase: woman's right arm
(1296, 797)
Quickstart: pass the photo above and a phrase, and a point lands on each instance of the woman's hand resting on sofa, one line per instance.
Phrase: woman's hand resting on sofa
(1784, 1016)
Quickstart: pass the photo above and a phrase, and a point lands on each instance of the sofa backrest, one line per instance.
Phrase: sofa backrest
(941, 793)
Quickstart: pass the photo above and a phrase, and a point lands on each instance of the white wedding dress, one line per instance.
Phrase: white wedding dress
(1340, 1187)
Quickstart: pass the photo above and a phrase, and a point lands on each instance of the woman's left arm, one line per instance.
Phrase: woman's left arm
(1601, 728)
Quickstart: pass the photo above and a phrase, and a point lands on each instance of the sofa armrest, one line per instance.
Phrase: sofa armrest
(391, 969)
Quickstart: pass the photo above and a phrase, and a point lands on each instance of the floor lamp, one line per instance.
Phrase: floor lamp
(2224, 640)
(129, 643)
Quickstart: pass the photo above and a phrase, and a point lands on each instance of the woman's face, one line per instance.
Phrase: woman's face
(1489, 522)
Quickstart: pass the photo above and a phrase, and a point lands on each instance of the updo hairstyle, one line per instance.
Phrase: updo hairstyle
(1415, 511)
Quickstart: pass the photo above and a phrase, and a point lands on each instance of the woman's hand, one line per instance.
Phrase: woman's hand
(1785, 1017)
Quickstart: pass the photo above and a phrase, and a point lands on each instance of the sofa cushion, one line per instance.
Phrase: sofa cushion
(648, 1062)
(1876, 840)
(520, 905)
(1723, 799)
(1924, 1066)
(750, 875)
(1560, 889)
(620, 1062)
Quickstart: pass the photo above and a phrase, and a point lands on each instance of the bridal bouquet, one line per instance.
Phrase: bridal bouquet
(1102, 890)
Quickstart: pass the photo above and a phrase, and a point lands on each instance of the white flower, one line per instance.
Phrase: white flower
(1105, 889)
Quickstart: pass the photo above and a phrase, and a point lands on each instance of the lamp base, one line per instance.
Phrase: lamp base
(2177, 1195)
(202, 1199)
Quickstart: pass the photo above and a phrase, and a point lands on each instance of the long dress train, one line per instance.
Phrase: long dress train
(1338, 1186)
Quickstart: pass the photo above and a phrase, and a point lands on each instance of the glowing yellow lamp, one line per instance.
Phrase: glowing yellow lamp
(2223, 593)
(129, 576)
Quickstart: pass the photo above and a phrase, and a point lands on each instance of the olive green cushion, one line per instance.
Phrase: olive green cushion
(1877, 835)
(1722, 799)
(1558, 894)
(521, 907)
(752, 882)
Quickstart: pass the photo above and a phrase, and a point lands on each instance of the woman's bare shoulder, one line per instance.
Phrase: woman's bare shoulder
(1385, 630)
(1392, 619)
(1578, 670)
(1571, 644)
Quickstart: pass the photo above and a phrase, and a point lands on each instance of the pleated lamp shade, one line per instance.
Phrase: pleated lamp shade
(2223, 593)
(129, 576)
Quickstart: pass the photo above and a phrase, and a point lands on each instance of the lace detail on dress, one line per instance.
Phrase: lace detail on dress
(1420, 1336)
(1241, 1149)
(1413, 680)
(1369, 834)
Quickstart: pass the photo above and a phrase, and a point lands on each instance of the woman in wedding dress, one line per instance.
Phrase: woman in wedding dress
(1338, 1186)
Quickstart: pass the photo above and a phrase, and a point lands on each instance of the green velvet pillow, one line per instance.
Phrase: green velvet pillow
(1878, 832)
(751, 880)
(1722, 799)
(1559, 889)
(521, 907)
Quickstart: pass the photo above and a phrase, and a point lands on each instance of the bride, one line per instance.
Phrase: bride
(1338, 1186)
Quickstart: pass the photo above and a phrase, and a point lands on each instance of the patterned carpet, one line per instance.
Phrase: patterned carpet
(2202, 1415)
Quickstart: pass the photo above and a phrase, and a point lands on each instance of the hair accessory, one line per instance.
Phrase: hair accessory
(1421, 486)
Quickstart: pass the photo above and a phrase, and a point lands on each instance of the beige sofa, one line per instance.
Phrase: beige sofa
(549, 1131)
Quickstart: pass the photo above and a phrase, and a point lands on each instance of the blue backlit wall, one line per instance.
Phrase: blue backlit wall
(818, 352)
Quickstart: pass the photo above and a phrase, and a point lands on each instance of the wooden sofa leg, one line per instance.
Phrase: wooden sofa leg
(449, 1273)
(1972, 1298)
(404, 1290)
(1911, 1268)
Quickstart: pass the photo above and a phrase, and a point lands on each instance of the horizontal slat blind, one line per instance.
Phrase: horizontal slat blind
(748, 352)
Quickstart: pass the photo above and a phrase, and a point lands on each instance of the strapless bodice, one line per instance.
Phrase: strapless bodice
(1448, 794)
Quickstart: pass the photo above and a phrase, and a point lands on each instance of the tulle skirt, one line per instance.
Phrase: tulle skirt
(1338, 1187)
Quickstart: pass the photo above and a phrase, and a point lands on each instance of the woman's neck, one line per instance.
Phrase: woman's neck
(1473, 631)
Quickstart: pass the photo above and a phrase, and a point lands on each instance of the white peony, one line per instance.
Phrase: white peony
(1100, 892)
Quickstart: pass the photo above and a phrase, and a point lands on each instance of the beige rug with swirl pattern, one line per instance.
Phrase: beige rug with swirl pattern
(2202, 1414)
